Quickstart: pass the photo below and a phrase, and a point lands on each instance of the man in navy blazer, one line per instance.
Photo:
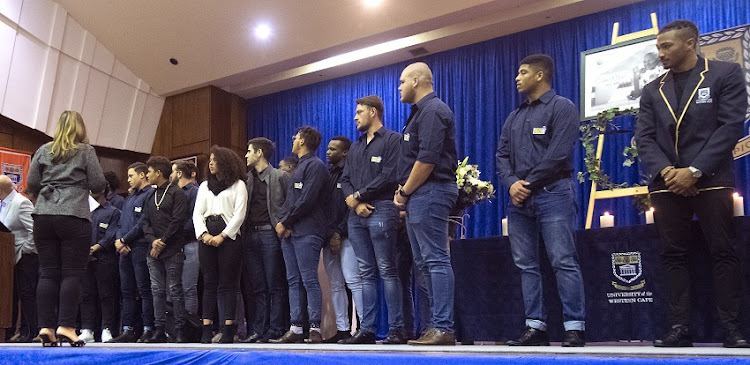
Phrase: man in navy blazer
(689, 122)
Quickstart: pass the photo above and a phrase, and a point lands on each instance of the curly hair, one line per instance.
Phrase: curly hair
(229, 164)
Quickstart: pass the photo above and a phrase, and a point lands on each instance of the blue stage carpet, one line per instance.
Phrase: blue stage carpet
(372, 355)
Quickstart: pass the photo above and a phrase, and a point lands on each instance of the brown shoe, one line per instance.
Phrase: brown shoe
(290, 337)
(436, 337)
(315, 337)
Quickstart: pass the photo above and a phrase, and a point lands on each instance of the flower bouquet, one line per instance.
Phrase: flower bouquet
(471, 191)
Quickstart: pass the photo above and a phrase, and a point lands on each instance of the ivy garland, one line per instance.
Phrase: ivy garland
(590, 131)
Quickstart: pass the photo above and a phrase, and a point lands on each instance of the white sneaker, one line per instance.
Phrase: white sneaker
(86, 336)
(106, 335)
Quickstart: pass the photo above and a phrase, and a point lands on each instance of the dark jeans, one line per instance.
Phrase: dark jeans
(167, 273)
(26, 277)
(264, 263)
(135, 282)
(714, 209)
(99, 286)
(427, 224)
(374, 242)
(221, 268)
(301, 256)
(411, 282)
(63, 243)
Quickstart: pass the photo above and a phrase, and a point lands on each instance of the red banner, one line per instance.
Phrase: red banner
(15, 164)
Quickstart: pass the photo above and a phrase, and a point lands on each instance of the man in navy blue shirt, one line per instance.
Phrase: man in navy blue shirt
(303, 226)
(133, 249)
(184, 175)
(368, 182)
(534, 161)
(428, 191)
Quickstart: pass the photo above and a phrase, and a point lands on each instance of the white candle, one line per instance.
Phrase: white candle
(606, 220)
(505, 227)
(739, 205)
(650, 216)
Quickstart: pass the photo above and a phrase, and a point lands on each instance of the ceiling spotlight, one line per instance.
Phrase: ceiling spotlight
(372, 3)
(262, 31)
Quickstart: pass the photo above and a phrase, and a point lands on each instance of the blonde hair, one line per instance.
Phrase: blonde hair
(70, 132)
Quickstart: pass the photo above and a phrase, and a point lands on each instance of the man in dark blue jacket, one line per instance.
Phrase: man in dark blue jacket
(689, 122)
(133, 249)
(303, 226)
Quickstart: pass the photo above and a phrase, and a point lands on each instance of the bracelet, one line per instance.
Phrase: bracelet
(403, 193)
(670, 168)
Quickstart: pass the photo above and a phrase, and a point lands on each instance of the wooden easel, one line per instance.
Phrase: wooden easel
(617, 193)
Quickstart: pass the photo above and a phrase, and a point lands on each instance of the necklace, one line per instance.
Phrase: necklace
(158, 204)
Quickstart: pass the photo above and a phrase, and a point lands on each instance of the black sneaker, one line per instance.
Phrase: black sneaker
(127, 336)
(574, 338)
(145, 336)
(531, 337)
(340, 335)
(678, 336)
(360, 338)
(270, 335)
(159, 336)
(396, 336)
(253, 338)
(734, 339)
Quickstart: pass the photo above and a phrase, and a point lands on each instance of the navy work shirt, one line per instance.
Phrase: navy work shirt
(105, 220)
(191, 193)
(371, 167)
(303, 211)
(130, 231)
(429, 137)
(338, 210)
(537, 142)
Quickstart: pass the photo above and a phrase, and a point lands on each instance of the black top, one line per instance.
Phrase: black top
(302, 211)
(429, 137)
(105, 220)
(537, 140)
(339, 212)
(371, 167)
(258, 205)
(191, 193)
(680, 80)
(131, 224)
(168, 220)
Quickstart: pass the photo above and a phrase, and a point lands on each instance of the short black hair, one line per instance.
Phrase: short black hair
(112, 180)
(373, 101)
(187, 168)
(291, 161)
(685, 28)
(263, 144)
(139, 167)
(311, 136)
(160, 163)
(541, 62)
(346, 143)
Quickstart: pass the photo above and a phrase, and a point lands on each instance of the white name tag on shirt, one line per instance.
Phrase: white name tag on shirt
(103, 225)
(406, 137)
(541, 130)
(138, 209)
(338, 185)
(298, 185)
(376, 159)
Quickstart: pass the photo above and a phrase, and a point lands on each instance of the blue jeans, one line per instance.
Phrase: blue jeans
(190, 276)
(167, 273)
(374, 242)
(342, 271)
(135, 282)
(427, 224)
(264, 262)
(301, 256)
(551, 212)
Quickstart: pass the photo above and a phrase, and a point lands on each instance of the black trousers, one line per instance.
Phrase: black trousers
(25, 279)
(221, 268)
(63, 243)
(714, 210)
(99, 286)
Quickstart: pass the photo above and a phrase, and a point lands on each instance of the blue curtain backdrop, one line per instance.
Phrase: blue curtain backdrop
(477, 82)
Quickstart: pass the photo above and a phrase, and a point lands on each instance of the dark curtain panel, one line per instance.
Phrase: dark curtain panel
(477, 82)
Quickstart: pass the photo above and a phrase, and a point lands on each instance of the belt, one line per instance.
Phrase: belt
(264, 227)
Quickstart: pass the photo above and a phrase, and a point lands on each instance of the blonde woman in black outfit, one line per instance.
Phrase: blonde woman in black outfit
(61, 174)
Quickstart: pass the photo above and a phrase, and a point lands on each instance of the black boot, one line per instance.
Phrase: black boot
(227, 333)
(208, 333)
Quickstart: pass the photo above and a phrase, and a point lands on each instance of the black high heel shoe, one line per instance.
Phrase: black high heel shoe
(61, 338)
(47, 341)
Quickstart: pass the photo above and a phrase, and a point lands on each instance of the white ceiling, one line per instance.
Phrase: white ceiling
(213, 41)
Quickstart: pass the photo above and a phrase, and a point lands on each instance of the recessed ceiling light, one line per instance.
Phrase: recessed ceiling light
(372, 3)
(263, 31)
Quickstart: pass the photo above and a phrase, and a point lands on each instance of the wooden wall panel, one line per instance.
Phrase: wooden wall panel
(190, 116)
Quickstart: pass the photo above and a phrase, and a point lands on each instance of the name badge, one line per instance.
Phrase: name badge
(138, 209)
(406, 137)
(376, 159)
(103, 225)
(704, 96)
(338, 185)
(298, 185)
(541, 130)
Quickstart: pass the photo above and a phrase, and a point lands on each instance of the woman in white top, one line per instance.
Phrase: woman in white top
(218, 215)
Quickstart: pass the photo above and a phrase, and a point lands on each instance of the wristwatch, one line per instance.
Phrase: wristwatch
(696, 173)
(403, 193)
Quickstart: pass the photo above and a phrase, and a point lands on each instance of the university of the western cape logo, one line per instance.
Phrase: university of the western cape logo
(13, 171)
(627, 267)
(704, 96)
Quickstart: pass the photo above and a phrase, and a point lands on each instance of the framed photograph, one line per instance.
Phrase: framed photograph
(613, 76)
